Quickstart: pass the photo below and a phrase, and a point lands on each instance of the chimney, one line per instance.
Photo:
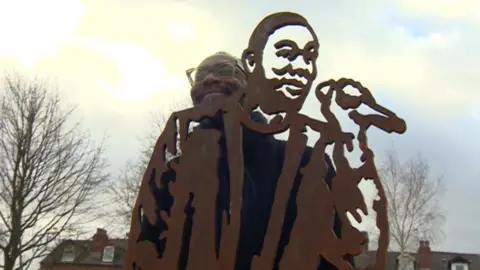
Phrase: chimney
(100, 240)
(424, 262)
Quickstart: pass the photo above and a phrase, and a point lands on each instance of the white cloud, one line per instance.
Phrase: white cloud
(182, 31)
(31, 29)
(155, 42)
(445, 9)
(108, 54)
(141, 73)
(410, 67)
(433, 70)
(476, 115)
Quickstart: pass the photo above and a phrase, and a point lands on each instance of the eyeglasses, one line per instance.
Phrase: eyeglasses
(223, 70)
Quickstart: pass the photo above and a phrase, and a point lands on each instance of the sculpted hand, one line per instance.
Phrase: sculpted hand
(349, 198)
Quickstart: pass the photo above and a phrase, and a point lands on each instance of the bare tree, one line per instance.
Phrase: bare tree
(124, 188)
(413, 195)
(50, 172)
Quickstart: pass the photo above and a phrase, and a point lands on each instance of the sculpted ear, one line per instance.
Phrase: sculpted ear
(248, 60)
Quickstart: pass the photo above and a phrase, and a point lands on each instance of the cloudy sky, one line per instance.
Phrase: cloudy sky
(121, 59)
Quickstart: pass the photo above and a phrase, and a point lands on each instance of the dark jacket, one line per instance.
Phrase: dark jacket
(263, 159)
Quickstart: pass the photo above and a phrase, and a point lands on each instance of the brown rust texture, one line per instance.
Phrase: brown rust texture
(182, 191)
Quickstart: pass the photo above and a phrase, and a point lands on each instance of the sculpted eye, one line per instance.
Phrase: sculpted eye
(310, 49)
(309, 53)
(284, 53)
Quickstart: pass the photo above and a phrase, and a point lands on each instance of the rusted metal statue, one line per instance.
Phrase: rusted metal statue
(190, 212)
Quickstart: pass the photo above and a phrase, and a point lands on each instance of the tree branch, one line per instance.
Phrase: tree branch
(50, 171)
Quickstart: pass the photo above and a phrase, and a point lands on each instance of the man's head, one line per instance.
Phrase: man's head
(295, 66)
(218, 75)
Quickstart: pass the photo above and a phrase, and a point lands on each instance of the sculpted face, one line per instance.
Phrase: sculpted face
(290, 64)
(285, 69)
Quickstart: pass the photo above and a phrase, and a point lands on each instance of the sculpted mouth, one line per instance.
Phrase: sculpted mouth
(295, 76)
(289, 83)
(294, 91)
(291, 86)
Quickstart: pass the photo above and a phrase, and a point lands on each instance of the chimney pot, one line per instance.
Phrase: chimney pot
(100, 240)
(424, 261)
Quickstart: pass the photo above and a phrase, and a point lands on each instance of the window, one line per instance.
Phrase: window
(68, 254)
(405, 262)
(108, 253)
(459, 266)
(409, 265)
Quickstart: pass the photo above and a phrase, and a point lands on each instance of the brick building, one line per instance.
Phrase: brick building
(423, 259)
(99, 253)
(102, 253)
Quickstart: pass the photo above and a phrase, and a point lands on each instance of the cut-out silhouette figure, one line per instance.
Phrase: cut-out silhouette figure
(236, 197)
(279, 94)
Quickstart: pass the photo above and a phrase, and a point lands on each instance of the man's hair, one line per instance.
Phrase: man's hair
(224, 54)
(234, 58)
(272, 23)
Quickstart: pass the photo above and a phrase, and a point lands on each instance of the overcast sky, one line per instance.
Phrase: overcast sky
(121, 59)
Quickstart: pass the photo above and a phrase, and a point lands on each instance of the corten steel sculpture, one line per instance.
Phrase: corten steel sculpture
(182, 191)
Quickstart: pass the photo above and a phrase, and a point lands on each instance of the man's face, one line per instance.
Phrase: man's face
(289, 61)
(216, 76)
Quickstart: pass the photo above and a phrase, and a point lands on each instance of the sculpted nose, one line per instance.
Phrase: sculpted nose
(301, 62)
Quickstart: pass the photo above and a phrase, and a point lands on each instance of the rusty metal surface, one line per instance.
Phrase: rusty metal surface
(183, 191)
